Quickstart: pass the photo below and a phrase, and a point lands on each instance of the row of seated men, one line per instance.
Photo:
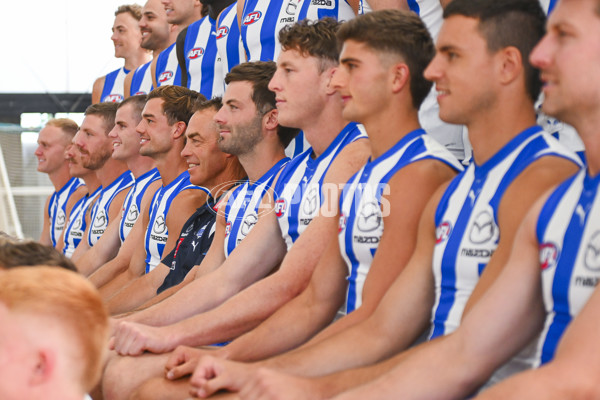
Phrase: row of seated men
(302, 278)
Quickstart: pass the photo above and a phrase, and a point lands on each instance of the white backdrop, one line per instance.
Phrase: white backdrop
(56, 45)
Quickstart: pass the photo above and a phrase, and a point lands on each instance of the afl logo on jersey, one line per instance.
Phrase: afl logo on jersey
(113, 98)
(222, 32)
(369, 218)
(280, 207)
(442, 232)
(228, 229)
(195, 53)
(159, 225)
(165, 76)
(548, 255)
(483, 229)
(342, 223)
(592, 253)
(252, 18)
(77, 224)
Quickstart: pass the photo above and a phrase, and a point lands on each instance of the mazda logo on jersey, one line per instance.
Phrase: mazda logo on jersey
(113, 98)
(165, 76)
(548, 255)
(312, 201)
(159, 225)
(60, 219)
(328, 4)
(100, 219)
(252, 18)
(222, 32)
(280, 207)
(77, 224)
(248, 224)
(483, 229)
(443, 232)
(369, 217)
(592, 253)
(133, 213)
(195, 53)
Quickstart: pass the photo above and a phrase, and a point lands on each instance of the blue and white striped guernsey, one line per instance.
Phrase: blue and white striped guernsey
(157, 231)
(114, 86)
(568, 230)
(133, 201)
(76, 224)
(141, 81)
(466, 222)
(243, 207)
(261, 22)
(229, 41)
(362, 209)
(202, 61)
(99, 217)
(167, 67)
(57, 208)
(317, 9)
(299, 190)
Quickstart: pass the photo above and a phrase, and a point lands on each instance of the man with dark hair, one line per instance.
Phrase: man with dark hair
(53, 141)
(96, 148)
(248, 128)
(126, 148)
(14, 253)
(126, 38)
(211, 168)
(162, 137)
(466, 230)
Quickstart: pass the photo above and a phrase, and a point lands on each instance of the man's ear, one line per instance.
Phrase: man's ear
(271, 120)
(43, 368)
(401, 77)
(179, 129)
(511, 64)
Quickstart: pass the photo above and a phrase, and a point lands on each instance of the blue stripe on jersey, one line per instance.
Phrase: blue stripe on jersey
(201, 36)
(562, 284)
(237, 210)
(414, 6)
(232, 52)
(138, 84)
(76, 224)
(167, 68)
(133, 201)
(57, 208)
(551, 6)
(550, 205)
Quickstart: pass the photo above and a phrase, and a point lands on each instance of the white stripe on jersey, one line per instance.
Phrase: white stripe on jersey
(113, 90)
(362, 211)
(229, 41)
(167, 67)
(133, 202)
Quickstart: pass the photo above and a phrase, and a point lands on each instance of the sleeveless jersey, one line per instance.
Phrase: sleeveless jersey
(261, 22)
(57, 208)
(99, 217)
(299, 190)
(157, 231)
(133, 201)
(243, 207)
(141, 82)
(466, 222)
(202, 62)
(317, 9)
(568, 230)
(114, 89)
(229, 41)
(76, 224)
(362, 208)
(167, 67)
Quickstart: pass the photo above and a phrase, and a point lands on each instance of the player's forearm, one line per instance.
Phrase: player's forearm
(108, 272)
(130, 297)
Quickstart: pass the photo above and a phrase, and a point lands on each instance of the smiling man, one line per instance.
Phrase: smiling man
(53, 141)
(126, 38)
(126, 148)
